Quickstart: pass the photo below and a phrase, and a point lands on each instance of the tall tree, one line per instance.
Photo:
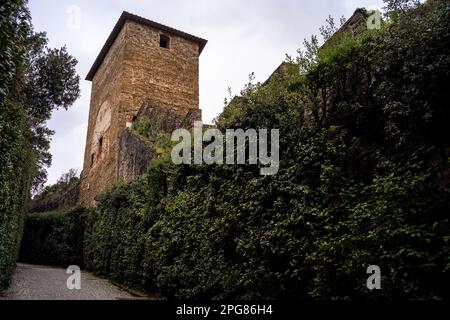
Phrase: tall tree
(50, 82)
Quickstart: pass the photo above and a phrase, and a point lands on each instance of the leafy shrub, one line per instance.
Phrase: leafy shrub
(54, 238)
(117, 229)
(153, 135)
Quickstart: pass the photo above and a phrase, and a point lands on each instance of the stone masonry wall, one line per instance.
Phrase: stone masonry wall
(106, 87)
(167, 120)
(136, 69)
(164, 77)
(134, 153)
(133, 157)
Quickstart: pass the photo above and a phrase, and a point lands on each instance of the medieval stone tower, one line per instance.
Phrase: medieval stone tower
(141, 63)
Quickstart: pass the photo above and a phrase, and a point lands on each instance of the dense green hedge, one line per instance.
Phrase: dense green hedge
(54, 238)
(34, 81)
(363, 181)
(116, 243)
(15, 151)
(15, 176)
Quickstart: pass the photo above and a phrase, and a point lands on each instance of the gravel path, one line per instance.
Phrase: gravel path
(46, 283)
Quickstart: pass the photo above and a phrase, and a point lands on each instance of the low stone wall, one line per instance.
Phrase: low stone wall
(168, 120)
(59, 200)
(133, 157)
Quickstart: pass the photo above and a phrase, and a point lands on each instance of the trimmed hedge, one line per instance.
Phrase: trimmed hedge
(16, 163)
(54, 238)
(34, 80)
(365, 181)
(15, 179)
(117, 231)
(228, 233)
(115, 236)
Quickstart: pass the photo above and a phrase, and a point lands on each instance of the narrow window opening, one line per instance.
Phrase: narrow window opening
(100, 145)
(164, 41)
(92, 159)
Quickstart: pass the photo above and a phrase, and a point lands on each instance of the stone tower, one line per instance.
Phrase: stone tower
(142, 61)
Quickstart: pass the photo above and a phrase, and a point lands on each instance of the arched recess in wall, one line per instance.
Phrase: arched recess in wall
(100, 143)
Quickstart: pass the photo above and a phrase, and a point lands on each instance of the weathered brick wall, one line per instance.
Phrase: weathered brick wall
(136, 69)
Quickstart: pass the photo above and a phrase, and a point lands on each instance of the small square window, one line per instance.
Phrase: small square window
(164, 41)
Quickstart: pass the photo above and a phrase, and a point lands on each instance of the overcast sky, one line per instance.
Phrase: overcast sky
(244, 37)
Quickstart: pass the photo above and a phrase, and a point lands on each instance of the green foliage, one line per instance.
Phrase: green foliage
(67, 180)
(54, 238)
(34, 80)
(15, 174)
(15, 155)
(115, 235)
(14, 21)
(363, 181)
(154, 136)
(60, 196)
(397, 8)
(50, 82)
(411, 82)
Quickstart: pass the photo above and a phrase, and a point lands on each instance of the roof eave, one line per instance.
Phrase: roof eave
(118, 28)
